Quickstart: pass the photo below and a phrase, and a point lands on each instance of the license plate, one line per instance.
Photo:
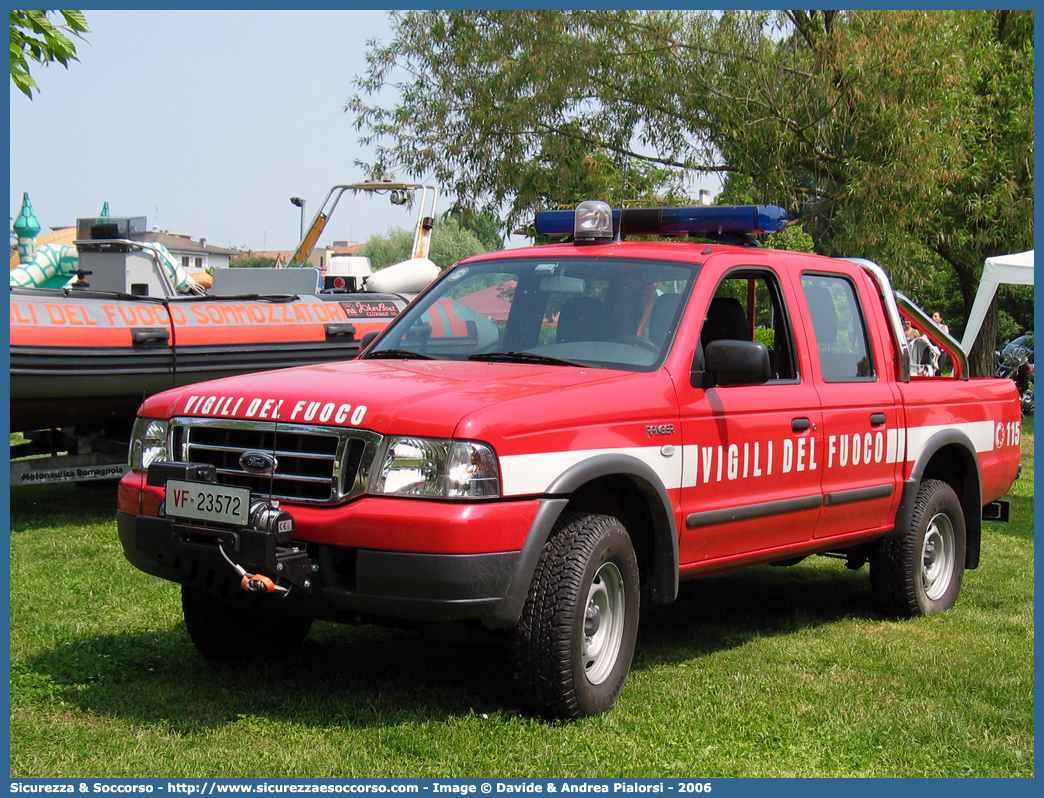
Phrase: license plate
(205, 501)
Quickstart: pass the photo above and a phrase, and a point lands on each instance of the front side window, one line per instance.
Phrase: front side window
(748, 306)
(840, 331)
(605, 312)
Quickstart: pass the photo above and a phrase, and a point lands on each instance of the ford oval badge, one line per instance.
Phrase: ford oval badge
(258, 462)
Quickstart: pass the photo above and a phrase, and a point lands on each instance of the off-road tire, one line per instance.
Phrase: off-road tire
(223, 632)
(918, 570)
(572, 648)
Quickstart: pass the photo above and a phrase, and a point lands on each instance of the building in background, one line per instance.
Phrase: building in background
(195, 256)
(319, 258)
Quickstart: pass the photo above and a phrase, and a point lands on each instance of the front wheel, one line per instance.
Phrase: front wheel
(919, 570)
(572, 649)
(223, 632)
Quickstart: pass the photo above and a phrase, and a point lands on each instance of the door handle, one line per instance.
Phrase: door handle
(340, 331)
(800, 424)
(147, 335)
(877, 420)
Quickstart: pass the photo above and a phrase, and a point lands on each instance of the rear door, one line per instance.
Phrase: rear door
(862, 448)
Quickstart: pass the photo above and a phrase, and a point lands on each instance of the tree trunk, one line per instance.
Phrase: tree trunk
(983, 358)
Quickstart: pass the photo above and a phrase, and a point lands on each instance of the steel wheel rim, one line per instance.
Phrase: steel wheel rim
(938, 557)
(603, 623)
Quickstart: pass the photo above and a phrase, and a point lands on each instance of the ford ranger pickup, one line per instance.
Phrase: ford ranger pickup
(548, 436)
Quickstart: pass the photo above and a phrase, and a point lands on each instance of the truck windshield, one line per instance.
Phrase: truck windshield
(617, 313)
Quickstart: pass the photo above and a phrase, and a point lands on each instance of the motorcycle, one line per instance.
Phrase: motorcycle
(1015, 362)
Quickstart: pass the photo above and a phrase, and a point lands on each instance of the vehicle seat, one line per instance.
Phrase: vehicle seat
(835, 366)
(582, 318)
(662, 317)
(726, 321)
(824, 315)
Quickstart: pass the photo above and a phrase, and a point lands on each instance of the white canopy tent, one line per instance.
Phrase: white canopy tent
(1016, 269)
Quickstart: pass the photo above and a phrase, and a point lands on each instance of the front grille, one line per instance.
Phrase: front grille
(316, 465)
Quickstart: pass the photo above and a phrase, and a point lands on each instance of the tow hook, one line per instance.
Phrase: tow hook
(259, 583)
(278, 527)
(254, 583)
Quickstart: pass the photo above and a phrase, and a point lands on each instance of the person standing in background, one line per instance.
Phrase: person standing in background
(910, 330)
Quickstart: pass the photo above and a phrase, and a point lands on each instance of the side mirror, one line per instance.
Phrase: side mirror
(731, 362)
(367, 339)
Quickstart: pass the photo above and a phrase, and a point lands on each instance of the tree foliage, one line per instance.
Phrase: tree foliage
(34, 37)
(391, 247)
(738, 190)
(906, 136)
(454, 238)
(251, 260)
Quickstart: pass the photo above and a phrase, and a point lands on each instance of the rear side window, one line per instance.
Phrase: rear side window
(840, 328)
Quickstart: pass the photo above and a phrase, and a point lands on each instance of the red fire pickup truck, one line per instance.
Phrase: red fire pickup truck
(548, 435)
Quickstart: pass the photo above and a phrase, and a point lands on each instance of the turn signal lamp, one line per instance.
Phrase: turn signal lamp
(590, 221)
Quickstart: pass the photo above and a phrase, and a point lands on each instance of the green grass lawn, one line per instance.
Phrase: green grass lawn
(757, 673)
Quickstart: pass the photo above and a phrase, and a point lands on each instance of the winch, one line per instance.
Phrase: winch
(253, 536)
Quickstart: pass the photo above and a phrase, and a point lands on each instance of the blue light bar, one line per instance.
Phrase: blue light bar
(560, 223)
(676, 221)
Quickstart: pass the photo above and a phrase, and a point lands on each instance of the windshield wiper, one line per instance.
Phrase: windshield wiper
(524, 357)
(397, 354)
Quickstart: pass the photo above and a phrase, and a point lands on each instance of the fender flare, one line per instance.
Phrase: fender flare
(663, 571)
(970, 495)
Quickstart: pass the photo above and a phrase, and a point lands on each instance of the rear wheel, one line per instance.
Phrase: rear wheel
(221, 632)
(919, 570)
(572, 649)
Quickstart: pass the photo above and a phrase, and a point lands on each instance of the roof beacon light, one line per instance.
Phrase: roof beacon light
(593, 222)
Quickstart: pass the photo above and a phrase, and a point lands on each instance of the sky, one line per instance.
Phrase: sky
(206, 123)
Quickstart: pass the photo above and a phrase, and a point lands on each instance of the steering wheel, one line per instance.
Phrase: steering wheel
(637, 340)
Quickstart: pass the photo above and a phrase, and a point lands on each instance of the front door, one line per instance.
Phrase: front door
(753, 453)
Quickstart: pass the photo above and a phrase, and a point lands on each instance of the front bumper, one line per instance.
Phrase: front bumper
(325, 581)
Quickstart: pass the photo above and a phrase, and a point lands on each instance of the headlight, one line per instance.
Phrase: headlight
(442, 469)
(149, 442)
